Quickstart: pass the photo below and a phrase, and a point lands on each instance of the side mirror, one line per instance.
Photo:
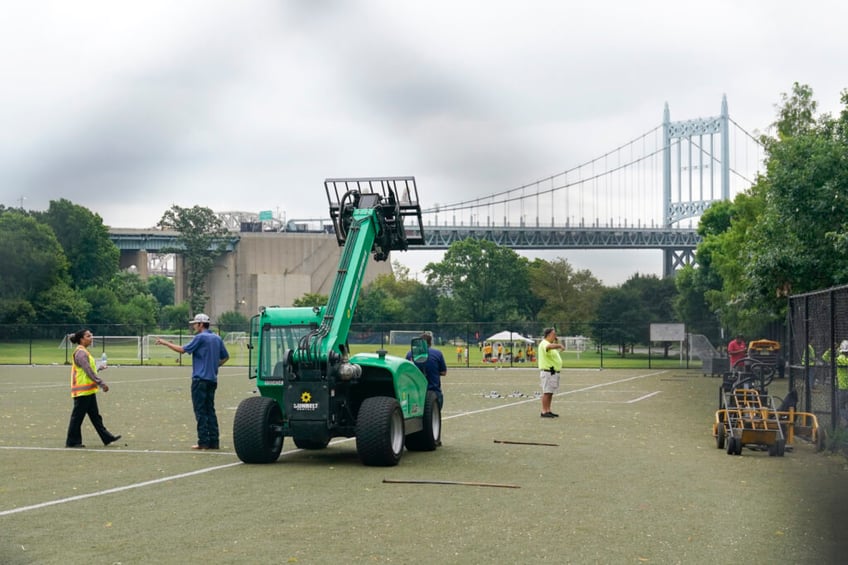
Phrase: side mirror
(419, 350)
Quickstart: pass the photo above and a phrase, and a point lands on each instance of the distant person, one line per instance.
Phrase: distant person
(84, 385)
(459, 354)
(434, 368)
(487, 352)
(842, 382)
(519, 356)
(550, 364)
(737, 349)
(207, 354)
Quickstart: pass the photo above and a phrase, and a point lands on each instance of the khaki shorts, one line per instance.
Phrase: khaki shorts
(550, 383)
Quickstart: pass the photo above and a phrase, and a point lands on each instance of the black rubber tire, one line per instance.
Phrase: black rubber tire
(821, 439)
(734, 446)
(379, 432)
(429, 438)
(781, 448)
(721, 436)
(257, 430)
(310, 443)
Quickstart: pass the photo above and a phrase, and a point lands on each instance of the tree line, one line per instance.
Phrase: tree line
(787, 234)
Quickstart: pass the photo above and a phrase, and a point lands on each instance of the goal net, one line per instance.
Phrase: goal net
(149, 351)
(116, 347)
(403, 337)
(238, 339)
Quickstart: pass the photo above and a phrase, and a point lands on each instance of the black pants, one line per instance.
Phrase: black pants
(86, 405)
(203, 400)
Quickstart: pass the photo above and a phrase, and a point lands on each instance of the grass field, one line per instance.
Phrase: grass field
(634, 477)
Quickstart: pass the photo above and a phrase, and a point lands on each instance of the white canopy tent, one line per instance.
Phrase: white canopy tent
(509, 337)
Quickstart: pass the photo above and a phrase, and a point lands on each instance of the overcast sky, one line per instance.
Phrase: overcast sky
(130, 107)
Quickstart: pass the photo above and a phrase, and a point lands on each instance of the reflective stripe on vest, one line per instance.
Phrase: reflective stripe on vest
(81, 384)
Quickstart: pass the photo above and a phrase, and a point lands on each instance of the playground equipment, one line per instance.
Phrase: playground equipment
(311, 388)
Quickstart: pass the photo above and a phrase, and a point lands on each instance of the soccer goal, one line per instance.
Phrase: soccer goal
(238, 339)
(149, 351)
(403, 337)
(116, 347)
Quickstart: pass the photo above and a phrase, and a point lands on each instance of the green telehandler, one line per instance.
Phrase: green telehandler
(310, 387)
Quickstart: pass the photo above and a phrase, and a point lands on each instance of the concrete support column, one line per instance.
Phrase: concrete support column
(180, 290)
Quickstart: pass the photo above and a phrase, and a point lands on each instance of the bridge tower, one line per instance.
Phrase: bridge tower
(691, 173)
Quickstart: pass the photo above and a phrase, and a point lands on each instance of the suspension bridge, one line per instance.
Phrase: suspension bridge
(647, 193)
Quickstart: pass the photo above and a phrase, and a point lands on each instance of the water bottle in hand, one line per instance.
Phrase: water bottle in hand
(101, 364)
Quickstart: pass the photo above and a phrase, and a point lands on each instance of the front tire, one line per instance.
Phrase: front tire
(430, 436)
(257, 430)
(379, 432)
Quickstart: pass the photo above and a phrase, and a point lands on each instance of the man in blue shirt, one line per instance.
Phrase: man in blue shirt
(434, 368)
(207, 354)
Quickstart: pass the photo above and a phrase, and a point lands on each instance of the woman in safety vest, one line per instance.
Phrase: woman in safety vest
(84, 385)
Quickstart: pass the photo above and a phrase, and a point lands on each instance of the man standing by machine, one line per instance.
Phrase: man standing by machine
(434, 368)
(736, 350)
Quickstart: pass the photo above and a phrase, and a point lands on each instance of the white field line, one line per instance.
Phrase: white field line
(643, 397)
(228, 465)
(584, 389)
(110, 382)
(116, 489)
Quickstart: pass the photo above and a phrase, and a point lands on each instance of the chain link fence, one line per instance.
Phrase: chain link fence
(817, 324)
(500, 344)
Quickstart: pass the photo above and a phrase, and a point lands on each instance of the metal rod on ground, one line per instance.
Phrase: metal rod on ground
(526, 443)
(463, 483)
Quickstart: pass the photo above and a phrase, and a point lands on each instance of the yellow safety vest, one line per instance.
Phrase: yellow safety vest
(81, 383)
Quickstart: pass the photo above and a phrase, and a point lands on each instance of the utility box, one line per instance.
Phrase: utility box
(716, 366)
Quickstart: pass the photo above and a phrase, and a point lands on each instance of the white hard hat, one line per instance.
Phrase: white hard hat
(843, 347)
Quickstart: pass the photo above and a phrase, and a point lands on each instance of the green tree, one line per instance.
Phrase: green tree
(61, 303)
(174, 317)
(203, 239)
(32, 262)
(479, 281)
(162, 288)
(141, 310)
(105, 308)
(92, 256)
(378, 308)
(127, 285)
(396, 298)
(620, 319)
(233, 321)
(566, 296)
(695, 284)
(16, 311)
(311, 299)
(657, 296)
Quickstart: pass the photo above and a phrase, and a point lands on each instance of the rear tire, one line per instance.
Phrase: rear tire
(379, 432)
(257, 430)
(720, 436)
(430, 437)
